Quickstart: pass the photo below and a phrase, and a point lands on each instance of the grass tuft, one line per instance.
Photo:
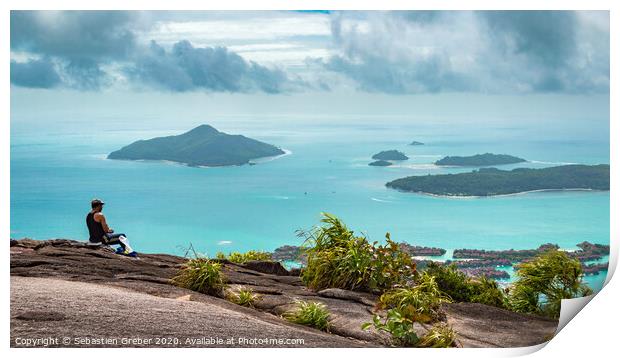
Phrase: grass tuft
(244, 297)
(440, 335)
(201, 275)
(312, 314)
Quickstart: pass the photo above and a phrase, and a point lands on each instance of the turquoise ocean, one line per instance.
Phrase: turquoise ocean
(164, 207)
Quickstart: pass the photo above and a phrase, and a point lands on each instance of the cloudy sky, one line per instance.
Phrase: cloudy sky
(318, 53)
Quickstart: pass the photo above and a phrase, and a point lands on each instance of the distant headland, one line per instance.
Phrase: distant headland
(201, 146)
(415, 142)
(492, 181)
(480, 160)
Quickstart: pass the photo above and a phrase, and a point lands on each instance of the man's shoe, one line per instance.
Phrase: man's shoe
(120, 250)
(132, 254)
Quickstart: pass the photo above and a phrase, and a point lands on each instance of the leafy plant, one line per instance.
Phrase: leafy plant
(403, 334)
(338, 258)
(313, 314)
(543, 282)
(488, 292)
(200, 275)
(420, 303)
(441, 335)
(462, 288)
(240, 258)
(244, 297)
(398, 326)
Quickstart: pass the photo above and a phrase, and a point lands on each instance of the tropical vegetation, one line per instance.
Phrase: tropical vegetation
(240, 258)
(336, 257)
(403, 334)
(420, 303)
(462, 288)
(545, 281)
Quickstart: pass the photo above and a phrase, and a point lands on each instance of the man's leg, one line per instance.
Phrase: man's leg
(120, 239)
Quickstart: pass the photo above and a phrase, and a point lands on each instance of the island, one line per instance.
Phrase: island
(380, 163)
(415, 142)
(493, 181)
(390, 155)
(480, 160)
(201, 146)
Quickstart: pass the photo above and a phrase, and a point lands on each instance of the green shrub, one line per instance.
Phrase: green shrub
(462, 288)
(338, 258)
(312, 314)
(244, 297)
(488, 292)
(451, 281)
(402, 332)
(543, 282)
(241, 258)
(441, 335)
(200, 275)
(420, 303)
(398, 326)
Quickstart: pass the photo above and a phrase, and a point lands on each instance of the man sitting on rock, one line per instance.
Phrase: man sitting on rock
(101, 233)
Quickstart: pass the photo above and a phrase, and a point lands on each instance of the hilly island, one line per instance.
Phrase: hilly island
(390, 155)
(480, 160)
(201, 146)
(492, 181)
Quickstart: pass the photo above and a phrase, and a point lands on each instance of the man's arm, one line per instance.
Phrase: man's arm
(100, 218)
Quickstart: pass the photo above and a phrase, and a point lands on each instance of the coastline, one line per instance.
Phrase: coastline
(261, 160)
(443, 196)
(254, 161)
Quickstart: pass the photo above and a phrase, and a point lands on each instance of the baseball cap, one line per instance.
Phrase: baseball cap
(96, 202)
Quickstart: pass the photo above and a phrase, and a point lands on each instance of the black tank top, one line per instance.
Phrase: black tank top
(95, 229)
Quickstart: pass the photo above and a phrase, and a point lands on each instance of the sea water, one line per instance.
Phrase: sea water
(165, 207)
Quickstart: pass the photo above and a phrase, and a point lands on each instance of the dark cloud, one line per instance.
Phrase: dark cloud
(374, 74)
(85, 74)
(487, 51)
(83, 42)
(187, 68)
(377, 51)
(80, 42)
(96, 35)
(545, 36)
(35, 74)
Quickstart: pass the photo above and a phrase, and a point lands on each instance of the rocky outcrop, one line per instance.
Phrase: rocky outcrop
(63, 287)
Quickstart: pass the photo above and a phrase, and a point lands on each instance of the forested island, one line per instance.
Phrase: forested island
(380, 163)
(480, 160)
(492, 181)
(390, 155)
(201, 146)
